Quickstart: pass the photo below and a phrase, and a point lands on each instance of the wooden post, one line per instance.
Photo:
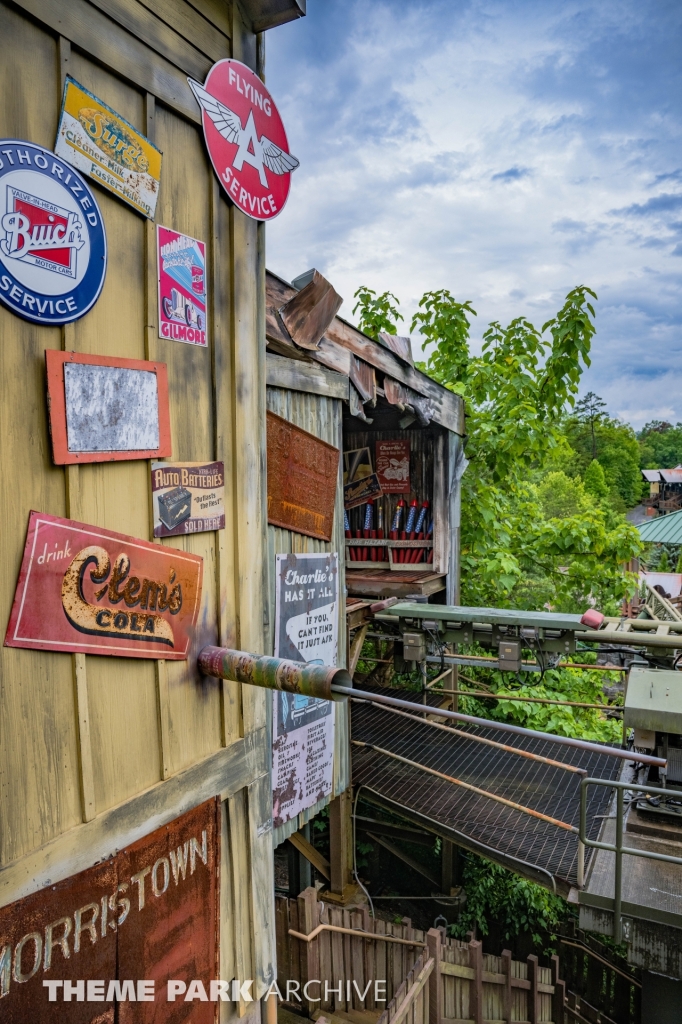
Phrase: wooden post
(507, 997)
(476, 984)
(433, 943)
(533, 993)
(559, 997)
(446, 859)
(341, 845)
(307, 921)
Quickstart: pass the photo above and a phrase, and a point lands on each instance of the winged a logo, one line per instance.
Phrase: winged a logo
(258, 152)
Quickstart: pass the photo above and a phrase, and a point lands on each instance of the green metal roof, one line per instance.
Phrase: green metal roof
(663, 529)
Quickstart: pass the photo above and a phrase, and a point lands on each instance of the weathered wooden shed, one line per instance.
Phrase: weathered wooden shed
(98, 752)
(327, 377)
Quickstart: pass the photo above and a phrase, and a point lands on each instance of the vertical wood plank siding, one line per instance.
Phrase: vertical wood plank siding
(322, 417)
(80, 737)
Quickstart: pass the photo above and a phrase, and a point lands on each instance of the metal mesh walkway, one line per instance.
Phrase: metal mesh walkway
(545, 788)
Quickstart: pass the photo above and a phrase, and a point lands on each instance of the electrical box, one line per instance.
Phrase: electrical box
(654, 701)
(414, 646)
(509, 655)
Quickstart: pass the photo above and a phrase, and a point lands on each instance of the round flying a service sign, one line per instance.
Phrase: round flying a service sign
(53, 248)
(246, 139)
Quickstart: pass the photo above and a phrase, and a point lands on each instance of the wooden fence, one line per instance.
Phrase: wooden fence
(429, 979)
(603, 979)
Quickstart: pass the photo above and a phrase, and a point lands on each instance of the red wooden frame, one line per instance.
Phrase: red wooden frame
(57, 408)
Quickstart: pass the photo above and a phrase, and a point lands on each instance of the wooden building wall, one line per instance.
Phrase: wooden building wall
(321, 415)
(96, 752)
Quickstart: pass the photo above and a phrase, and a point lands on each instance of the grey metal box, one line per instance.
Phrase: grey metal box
(414, 646)
(510, 655)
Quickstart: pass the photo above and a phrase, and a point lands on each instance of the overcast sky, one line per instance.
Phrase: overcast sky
(504, 150)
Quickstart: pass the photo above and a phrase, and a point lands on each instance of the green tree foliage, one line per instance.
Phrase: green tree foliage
(493, 893)
(591, 410)
(377, 314)
(663, 562)
(517, 392)
(617, 452)
(562, 496)
(594, 481)
(660, 445)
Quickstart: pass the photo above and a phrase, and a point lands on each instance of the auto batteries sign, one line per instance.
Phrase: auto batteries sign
(182, 287)
(53, 249)
(306, 629)
(188, 497)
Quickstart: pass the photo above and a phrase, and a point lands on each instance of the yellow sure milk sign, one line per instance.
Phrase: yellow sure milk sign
(102, 144)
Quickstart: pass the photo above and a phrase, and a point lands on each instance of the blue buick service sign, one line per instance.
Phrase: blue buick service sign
(53, 248)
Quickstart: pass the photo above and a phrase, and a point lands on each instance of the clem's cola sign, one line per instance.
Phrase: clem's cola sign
(245, 138)
(85, 589)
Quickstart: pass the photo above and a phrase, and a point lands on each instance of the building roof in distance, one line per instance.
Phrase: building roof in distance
(663, 529)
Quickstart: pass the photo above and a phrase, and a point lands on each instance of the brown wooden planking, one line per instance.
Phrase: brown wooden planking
(94, 33)
(201, 32)
(143, 23)
(225, 772)
(307, 377)
(217, 12)
(47, 801)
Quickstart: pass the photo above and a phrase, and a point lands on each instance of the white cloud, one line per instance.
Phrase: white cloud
(505, 151)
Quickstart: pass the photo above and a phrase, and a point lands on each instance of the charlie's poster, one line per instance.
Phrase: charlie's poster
(306, 629)
(182, 287)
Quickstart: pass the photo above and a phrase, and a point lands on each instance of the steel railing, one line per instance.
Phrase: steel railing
(618, 849)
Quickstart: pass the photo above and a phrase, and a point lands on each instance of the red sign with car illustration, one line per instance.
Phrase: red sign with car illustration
(182, 287)
(246, 139)
(88, 590)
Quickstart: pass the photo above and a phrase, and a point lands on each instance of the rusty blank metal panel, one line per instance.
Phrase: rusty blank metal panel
(88, 590)
(302, 477)
(150, 913)
(309, 313)
(106, 409)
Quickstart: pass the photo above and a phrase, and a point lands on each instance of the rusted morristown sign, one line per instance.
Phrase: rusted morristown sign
(85, 589)
(302, 478)
(119, 931)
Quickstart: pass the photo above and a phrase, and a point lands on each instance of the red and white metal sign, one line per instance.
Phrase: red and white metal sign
(246, 139)
(88, 590)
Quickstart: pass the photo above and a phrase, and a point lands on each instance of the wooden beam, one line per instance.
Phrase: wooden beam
(225, 772)
(308, 377)
(356, 648)
(405, 858)
(313, 856)
(341, 843)
(102, 39)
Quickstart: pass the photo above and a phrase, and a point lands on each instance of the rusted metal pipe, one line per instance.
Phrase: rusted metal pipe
(487, 723)
(274, 673)
(491, 743)
(473, 789)
(333, 684)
